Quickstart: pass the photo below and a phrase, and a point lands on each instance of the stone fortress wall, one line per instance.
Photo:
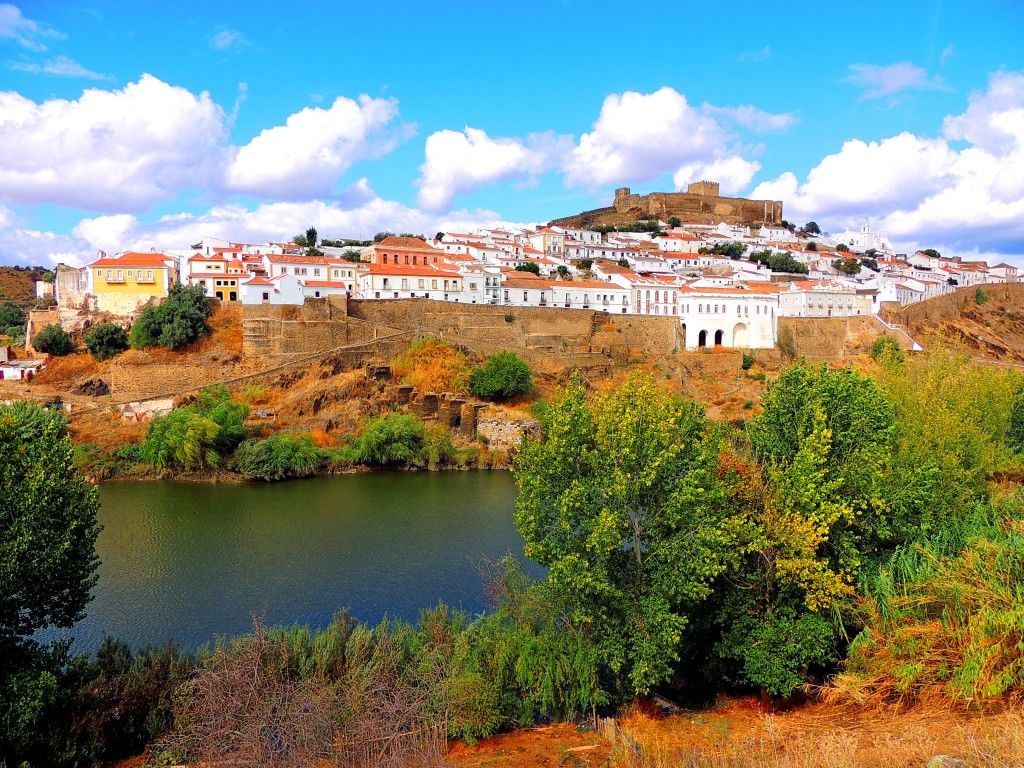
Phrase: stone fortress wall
(701, 203)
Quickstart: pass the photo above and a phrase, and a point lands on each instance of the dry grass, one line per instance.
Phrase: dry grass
(822, 736)
(66, 372)
(431, 365)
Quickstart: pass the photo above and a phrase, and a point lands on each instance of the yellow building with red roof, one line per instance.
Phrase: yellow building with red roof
(125, 282)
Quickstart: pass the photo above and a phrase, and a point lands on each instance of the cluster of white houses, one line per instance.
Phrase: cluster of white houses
(721, 301)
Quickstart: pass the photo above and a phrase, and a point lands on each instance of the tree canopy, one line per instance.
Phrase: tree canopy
(48, 528)
(620, 499)
(177, 321)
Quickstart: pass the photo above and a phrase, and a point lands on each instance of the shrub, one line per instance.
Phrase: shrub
(393, 439)
(980, 297)
(748, 361)
(509, 317)
(528, 266)
(179, 320)
(503, 374)
(885, 350)
(585, 263)
(106, 340)
(197, 435)
(53, 340)
(283, 454)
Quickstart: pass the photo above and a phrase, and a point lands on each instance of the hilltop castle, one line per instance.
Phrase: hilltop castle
(701, 203)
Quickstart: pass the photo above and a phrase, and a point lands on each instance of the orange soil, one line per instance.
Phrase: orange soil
(546, 746)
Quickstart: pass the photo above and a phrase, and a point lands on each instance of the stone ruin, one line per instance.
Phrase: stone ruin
(446, 408)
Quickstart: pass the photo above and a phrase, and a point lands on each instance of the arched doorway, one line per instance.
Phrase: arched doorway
(220, 295)
(719, 338)
(740, 336)
(702, 339)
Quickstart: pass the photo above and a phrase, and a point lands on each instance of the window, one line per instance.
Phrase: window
(131, 273)
(472, 286)
(266, 296)
(405, 284)
(316, 272)
(433, 284)
(421, 283)
(524, 295)
(120, 275)
(149, 274)
(385, 257)
(99, 273)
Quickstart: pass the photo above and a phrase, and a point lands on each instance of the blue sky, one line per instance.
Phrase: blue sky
(126, 125)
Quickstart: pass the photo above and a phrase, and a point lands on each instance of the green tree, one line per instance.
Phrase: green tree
(585, 263)
(528, 266)
(47, 528)
(812, 246)
(312, 237)
(177, 321)
(932, 252)
(808, 507)
(674, 221)
(563, 271)
(812, 228)
(48, 567)
(843, 248)
(846, 266)
(12, 319)
(105, 340)
(53, 340)
(620, 499)
(503, 374)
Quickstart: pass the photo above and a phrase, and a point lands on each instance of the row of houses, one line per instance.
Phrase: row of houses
(720, 300)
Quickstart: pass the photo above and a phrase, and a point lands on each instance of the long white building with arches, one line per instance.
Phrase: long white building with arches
(743, 316)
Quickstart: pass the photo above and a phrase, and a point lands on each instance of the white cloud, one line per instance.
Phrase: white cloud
(62, 66)
(753, 118)
(304, 157)
(228, 40)
(271, 221)
(637, 137)
(109, 150)
(24, 31)
(948, 51)
(878, 82)
(460, 162)
(733, 173)
(923, 190)
(757, 56)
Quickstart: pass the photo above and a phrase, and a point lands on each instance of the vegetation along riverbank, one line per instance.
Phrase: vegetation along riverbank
(858, 542)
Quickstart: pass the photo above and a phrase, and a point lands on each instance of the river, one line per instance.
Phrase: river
(189, 561)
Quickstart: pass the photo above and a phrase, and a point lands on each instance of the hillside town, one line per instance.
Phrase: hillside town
(727, 284)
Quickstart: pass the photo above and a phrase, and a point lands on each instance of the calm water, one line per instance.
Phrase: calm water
(189, 561)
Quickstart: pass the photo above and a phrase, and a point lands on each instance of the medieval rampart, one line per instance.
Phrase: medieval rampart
(700, 204)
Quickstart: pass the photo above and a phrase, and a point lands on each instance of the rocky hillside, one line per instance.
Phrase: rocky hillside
(17, 284)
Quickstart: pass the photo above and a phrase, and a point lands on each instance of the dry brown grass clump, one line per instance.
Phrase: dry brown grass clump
(432, 365)
(823, 736)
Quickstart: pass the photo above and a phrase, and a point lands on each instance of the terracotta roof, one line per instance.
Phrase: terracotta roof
(133, 259)
(405, 244)
(410, 269)
(519, 281)
(258, 281)
(323, 284)
(290, 259)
